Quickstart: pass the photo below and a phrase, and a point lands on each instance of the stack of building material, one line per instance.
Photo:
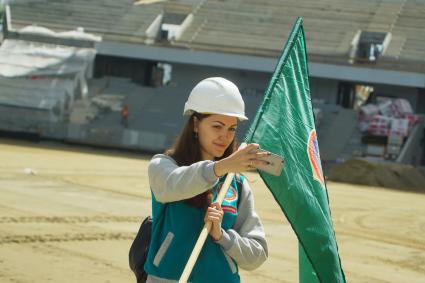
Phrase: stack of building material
(386, 125)
(379, 125)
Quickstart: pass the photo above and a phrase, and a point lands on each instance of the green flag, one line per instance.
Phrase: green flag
(284, 124)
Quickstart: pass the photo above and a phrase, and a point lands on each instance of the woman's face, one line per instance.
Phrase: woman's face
(215, 134)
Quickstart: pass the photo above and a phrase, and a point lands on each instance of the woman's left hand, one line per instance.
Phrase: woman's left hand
(215, 215)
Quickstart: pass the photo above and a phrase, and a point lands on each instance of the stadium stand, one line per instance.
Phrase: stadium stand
(340, 34)
(248, 26)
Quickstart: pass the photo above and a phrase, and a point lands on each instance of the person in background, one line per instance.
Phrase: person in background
(124, 116)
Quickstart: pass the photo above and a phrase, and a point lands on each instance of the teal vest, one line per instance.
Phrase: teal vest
(175, 230)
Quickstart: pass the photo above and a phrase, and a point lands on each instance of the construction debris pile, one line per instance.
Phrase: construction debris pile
(388, 175)
(386, 125)
(39, 83)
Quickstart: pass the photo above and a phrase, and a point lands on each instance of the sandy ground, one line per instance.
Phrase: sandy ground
(74, 220)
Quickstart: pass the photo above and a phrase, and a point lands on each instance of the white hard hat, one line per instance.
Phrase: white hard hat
(216, 96)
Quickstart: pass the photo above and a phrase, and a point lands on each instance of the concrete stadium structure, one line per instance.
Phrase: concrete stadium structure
(374, 43)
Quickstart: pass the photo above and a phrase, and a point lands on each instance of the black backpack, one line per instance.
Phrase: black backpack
(139, 250)
(140, 247)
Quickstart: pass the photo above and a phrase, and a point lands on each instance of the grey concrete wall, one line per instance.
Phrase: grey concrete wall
(420, 105)
(20, 119)
(324, 89)
(191, 74)
(411, 152)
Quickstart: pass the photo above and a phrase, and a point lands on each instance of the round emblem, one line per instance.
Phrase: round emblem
(231, 194)
(314, 157)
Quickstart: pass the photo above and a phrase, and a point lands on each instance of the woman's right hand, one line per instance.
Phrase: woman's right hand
(245, 158)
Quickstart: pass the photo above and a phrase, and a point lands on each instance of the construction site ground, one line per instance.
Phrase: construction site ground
(69, 214)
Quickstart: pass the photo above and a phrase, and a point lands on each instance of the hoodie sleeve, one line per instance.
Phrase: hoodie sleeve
(170, 182)
(246, 242)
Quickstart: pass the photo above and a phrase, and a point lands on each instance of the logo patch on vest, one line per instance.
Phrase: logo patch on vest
(231, 194)
(228, 208)
(229, 202)
(314, 157)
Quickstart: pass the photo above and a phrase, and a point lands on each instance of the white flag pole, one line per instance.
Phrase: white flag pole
(207, 227)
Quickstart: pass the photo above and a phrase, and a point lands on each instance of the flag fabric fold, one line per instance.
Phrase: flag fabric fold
(284, 124)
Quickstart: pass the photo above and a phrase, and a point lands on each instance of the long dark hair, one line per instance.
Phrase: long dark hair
(186, 150)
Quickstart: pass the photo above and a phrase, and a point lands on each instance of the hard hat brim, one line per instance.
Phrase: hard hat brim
(240, 117)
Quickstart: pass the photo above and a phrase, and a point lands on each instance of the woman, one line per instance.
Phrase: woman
(184, 183)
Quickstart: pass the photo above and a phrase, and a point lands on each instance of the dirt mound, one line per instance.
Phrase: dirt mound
(388, 175)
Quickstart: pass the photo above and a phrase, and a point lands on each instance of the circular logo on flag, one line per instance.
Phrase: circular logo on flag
(314, 157)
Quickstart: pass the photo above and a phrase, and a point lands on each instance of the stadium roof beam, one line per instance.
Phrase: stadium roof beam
(260, 64)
